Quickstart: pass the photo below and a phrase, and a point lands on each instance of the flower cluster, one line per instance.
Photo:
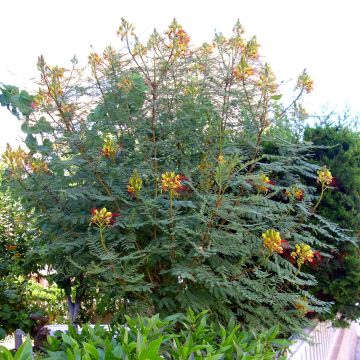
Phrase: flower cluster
(221, 159)
(94, 59)
(302, 254)
(295, 192)
(305, 82)
(171, 182)
(39, 166)
(179, 38)
(252, 49)
(135, 184)
(267, 83)
(243, 71)
(125, 85)
(272, 241)
(110, 147)
(103, 217)
(265, 180)
(14, 159)
(325, 177)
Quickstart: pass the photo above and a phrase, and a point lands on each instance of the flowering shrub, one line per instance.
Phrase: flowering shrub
(191, 123)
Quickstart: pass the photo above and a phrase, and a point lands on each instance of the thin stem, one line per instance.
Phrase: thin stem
(102, 240)
(323, 188)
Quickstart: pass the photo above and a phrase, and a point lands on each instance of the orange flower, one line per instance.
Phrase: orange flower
(295, 192)
(38, 166)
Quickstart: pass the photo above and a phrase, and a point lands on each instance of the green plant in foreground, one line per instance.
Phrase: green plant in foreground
(190, 336)
(24, 352)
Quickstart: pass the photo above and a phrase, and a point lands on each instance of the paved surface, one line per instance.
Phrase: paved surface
(357, 354)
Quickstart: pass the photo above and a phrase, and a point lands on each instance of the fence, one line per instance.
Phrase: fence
(320, 346)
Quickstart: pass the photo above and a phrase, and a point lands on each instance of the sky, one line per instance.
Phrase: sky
(319, 35)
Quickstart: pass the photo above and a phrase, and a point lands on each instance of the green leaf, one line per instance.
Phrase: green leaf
(5, 353)
(25, 351)
(91, 349)
(276, 97)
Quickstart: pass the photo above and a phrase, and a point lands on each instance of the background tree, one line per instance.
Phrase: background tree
(339, 280)
(16, 231)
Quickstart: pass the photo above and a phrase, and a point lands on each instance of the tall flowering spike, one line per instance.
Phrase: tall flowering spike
(101, 217)
(135, 184)
(302, 254)
(272, 241)
(325, 177)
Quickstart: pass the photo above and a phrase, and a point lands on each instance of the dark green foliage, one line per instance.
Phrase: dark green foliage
(20, 296)
(339, 278)
(15, 233)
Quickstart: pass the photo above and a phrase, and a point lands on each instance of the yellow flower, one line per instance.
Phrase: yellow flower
(305, 82)
(110, 147)
(170, 182)
(302, 253)
(101, 217)
(221, 159)
(265, 180)
(135, 184)
(15, 160)
(324, 176)
(272, 241)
